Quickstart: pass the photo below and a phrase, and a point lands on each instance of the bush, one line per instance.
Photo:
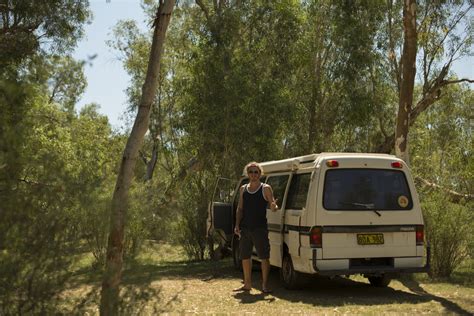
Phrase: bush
(449, 232)
(189, 230)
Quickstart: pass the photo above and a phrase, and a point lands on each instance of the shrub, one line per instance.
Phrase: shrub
(448, 231)
(190, 229)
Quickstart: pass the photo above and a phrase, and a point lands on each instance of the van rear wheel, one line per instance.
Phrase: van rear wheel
(290, 277)
(380, 281)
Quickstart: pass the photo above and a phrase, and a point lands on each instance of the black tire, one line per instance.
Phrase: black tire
(236, 254)
(379, 281)
(290, 277)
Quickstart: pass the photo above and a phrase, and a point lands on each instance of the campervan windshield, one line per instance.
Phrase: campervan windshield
(366, 189)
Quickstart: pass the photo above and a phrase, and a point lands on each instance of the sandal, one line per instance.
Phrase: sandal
(266, 291)
(241, 289)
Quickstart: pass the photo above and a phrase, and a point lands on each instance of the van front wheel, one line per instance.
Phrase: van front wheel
(379, 281)
(289, 276)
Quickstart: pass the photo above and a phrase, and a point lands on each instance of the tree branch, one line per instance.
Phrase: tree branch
(392, 56)
(31, 182)
(446, 82)
(203, 8)
(144, 159)
(454, 196)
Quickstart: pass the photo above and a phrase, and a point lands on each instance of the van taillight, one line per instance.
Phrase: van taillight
(420, 235)
(332, 163)
(316, 237)
(397, 164)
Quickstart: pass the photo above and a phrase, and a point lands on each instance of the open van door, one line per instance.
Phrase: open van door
(220, 215)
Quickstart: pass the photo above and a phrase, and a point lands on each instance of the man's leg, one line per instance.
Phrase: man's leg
(247, 267)
(246, 245)
(265, 273)
(262, 246)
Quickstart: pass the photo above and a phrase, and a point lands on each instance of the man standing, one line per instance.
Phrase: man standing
(251, 224)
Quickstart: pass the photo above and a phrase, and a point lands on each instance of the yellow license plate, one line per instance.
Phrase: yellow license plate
(370, 239)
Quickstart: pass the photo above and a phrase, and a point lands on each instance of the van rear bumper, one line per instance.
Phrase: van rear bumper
(373, 269)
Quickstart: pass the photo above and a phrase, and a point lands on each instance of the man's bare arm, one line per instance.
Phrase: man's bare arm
(270, 198)
(239, 214)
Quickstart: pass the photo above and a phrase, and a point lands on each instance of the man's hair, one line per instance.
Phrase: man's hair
(253, 164)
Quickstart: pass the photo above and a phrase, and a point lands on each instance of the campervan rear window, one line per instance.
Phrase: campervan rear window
(366, 189)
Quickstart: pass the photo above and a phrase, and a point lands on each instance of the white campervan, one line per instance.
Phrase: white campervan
(340, 214)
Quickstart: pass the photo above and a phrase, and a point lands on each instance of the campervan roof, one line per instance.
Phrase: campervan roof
(309, 160)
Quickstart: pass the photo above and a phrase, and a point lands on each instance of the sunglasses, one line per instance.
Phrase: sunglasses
(253, 171)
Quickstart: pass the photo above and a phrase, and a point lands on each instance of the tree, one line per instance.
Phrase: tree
(444, 36)
(37, 164)
(332, 65)
(28, 26)
(112, 276)
(407, 80)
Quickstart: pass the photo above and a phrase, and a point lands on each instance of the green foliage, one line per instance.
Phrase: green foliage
(28, 26)
(442, 154)
(43, 206)
(189, 230)
(442, 142)
(449, 232)
(239, 65)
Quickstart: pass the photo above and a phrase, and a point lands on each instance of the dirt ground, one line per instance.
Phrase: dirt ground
(161, 282)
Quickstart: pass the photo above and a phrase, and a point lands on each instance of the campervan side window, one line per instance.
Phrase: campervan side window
(366, 189)
(278, 184)
(298, 191)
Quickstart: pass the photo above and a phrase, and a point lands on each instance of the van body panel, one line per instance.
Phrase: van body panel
(341, 264)
(292, 224)
(408, 262)
(274, 236)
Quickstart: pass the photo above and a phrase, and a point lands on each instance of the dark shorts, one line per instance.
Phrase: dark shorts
(257, 238)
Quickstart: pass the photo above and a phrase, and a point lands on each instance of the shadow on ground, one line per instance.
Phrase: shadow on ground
(340, 291)
(415, 287)
(137, 292)
(320, 291)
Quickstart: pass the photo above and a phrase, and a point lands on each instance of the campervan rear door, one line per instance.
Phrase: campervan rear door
(367, 209)
(220, 212)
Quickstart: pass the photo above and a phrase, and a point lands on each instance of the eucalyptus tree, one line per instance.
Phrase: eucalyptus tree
(333, 72)
(444, 34)
(109, 303)
(237, 98)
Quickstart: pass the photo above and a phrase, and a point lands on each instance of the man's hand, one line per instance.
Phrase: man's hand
(237, 231)
(274, 205)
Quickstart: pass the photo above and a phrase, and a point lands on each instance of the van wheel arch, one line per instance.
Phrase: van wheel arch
(291, 278)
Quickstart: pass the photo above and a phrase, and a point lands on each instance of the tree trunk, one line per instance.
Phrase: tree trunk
(408, 63)
(150, 166)
(109, 303)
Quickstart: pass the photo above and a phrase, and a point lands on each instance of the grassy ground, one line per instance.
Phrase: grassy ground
(161, 282)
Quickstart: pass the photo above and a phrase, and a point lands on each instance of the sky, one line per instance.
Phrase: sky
(107, 80)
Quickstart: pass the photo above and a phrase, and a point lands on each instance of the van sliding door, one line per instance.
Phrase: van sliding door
(295, 208)
(279, 184)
